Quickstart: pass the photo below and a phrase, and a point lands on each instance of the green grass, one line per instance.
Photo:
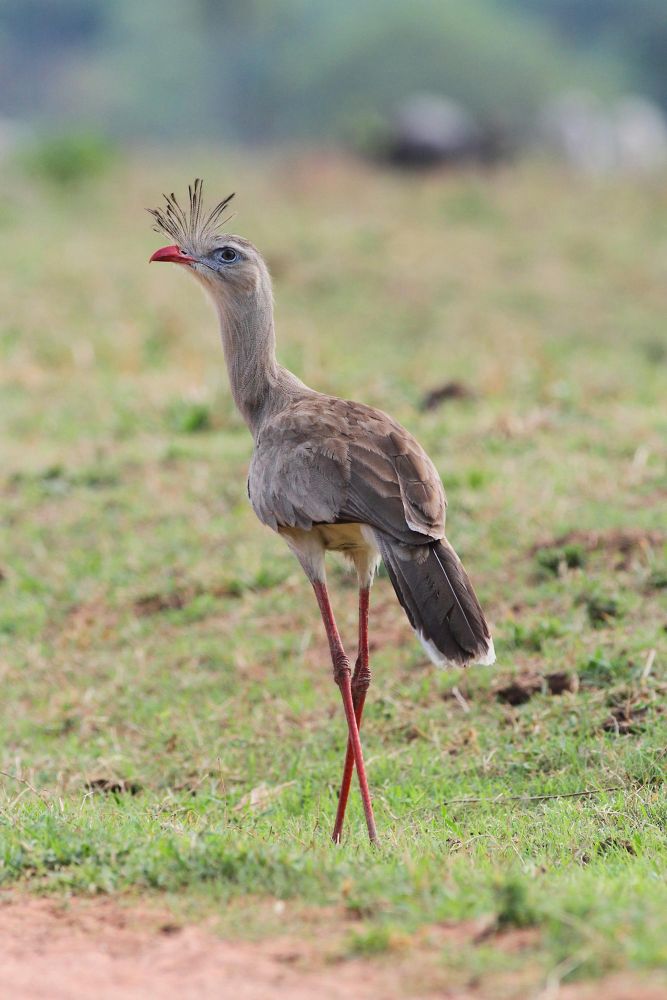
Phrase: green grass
(156, 641)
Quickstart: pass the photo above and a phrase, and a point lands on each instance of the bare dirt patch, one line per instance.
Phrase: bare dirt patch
(624, 542)
(117, 786)
(443, 393)
(522, 688)
(620, 987)
(89, 623)
(175, 600)
(75, 949)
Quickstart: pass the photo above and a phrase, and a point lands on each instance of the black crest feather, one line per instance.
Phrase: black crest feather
(192, 227)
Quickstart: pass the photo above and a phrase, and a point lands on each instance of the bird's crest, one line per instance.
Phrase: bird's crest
(192, 227)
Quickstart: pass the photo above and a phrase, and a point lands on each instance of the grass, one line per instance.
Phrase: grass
(169, 723)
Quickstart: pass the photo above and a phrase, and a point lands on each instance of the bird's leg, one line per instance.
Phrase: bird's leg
(361, 680)
(342, 677)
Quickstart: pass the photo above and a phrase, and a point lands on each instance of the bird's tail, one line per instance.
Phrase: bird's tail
(438, 598)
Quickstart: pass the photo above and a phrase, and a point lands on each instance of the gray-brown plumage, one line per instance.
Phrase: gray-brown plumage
(330, 474)
(327, 461)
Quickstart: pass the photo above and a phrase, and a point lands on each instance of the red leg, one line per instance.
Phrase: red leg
(361, 680)
(341, 668)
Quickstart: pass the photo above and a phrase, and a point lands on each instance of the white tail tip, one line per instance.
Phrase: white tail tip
(436, 657)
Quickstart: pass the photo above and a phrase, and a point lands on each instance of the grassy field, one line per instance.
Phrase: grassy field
(168, 720)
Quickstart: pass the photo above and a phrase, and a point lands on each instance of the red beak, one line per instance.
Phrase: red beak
(173, 255)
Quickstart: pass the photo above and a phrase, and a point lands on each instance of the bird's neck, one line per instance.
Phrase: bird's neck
(260, 386)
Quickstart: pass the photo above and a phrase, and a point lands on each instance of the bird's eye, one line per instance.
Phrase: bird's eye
(228, 254)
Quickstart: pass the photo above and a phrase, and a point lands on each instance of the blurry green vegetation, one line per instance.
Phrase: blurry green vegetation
(154, 638)
(514, 907)
(553, 560)
(636, 33)
(70, 159)
(189, 417)
(262, 70)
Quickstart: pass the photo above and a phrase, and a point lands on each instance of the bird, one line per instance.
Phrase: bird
(329, 474)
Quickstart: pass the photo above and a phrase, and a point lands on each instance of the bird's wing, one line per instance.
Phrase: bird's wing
(325, 460)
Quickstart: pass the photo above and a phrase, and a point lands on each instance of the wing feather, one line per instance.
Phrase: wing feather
(328, 460)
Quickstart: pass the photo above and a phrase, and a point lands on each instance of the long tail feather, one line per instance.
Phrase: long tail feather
(438, 598)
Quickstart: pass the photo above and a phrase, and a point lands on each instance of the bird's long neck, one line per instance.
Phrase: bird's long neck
(260, 386)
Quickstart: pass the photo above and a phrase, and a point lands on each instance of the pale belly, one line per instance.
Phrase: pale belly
(355, 541)
(343, 537)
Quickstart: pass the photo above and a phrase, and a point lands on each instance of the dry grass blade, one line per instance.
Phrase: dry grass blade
(260, 796)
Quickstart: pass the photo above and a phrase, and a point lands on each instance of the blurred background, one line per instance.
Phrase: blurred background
(463, 207)
(480, 80)
(460, 199)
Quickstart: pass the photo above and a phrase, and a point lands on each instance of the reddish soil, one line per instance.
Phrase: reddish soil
(79, 949)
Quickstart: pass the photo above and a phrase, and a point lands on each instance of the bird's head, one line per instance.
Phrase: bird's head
(229, 267)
